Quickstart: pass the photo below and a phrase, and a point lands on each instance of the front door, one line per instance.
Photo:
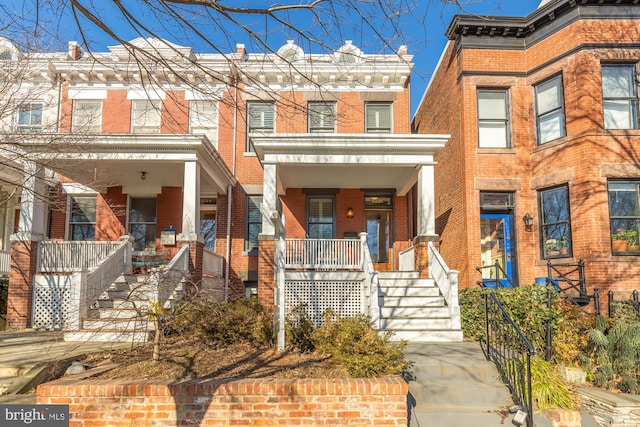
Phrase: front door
(496, 248)
(378, 238)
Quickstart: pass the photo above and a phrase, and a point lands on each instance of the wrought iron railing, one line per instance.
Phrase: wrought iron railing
(506, 346)
(569, 280)
(612, 302)
(497, 277)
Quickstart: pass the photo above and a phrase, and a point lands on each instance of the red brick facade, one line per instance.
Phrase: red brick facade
(584, 160)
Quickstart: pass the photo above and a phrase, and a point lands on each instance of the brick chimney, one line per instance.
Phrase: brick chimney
(74, 52)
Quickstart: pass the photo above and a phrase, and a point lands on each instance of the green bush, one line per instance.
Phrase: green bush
(362, 350)
(244, 320)
(4, 291)
(299, 330)
(614, 354)
(527, 305)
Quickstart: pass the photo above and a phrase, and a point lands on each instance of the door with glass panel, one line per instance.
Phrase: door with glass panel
(496, 249)
(379, 213)
(142, 223)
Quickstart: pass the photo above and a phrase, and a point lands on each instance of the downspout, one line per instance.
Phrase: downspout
(230, 191)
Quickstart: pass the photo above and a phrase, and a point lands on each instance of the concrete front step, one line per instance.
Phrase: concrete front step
(427, 335)
(445, 418)
(414, 291)
(416, 323)
(122, 304)
(451, 395)
(119, 325)
(402, 301)
(415, 311)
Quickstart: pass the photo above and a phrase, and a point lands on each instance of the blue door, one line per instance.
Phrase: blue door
(496, 250)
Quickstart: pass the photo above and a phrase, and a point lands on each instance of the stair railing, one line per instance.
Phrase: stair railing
(447, 281)
(505, 345)
(498, 276)
(166, 281)
(371, 283)
(569, 280)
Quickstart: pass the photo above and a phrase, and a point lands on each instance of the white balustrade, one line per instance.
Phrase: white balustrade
(447, 282)
(326, 254)
(371, 284)
(212, 263)
(5, 262)
(407, 259)
(165, 282)
(67, 256)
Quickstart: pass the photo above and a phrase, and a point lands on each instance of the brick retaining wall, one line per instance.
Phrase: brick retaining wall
(361, 402)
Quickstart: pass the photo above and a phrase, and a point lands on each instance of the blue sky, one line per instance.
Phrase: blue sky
(423, 28)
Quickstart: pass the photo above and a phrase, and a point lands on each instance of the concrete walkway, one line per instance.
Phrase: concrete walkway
(30, 357)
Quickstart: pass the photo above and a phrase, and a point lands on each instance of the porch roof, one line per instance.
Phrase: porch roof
(103, 160)
(363, 161)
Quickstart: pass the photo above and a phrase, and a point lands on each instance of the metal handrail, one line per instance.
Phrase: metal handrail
(507, 347)
(497, 280)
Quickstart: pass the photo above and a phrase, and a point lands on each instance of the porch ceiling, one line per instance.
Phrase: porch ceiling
(118, 160)
(348, 160)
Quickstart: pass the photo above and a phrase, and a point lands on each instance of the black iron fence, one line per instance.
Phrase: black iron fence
(633, 302)
(569, 280)
(497, 277)
(511, 351)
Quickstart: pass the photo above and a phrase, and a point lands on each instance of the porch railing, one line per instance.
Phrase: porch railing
(447, 281)
(212, 263)
(165, 282)
(506, 346)
(66, 257)
(327, 254)
(5, 262)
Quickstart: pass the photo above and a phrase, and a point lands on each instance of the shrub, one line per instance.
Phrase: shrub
(4, 291)
(548, 388)
(362, 350)
(571, 336)
(244, 320)
(299, 330)
(614, 356)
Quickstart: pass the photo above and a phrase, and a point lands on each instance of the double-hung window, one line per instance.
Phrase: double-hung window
(260, 119)
(142, 223)
(254, 222)
(378, 117)
(619, 97)
(550, 118)
(624, 215)
(493, 119)
(87, 116)
(82, 218)
(30, 117)
(145, 116)
(321, 217)
(555, 222)
(203, 118)
(322, 117)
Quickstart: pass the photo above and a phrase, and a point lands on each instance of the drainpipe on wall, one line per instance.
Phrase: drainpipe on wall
(230, 191)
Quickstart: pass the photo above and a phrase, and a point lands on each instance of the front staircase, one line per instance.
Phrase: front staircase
(119, 315)
(414, 309)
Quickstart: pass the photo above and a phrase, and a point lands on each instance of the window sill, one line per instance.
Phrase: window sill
(508, 150)
(551, 144)
(249, 154)
(252, 252)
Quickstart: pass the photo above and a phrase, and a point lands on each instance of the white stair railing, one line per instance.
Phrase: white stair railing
(88, 285)
(371, 283)
(212, 263)
(447, 281)
(5, 262)
(166, 282)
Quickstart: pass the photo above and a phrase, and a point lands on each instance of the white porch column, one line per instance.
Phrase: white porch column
(191, 203)
(269, 197)
(32, 205)
(426, 201)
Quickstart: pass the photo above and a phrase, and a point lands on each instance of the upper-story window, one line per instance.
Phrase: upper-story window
(260, 119)
(145, 116)
(550, 110)
(619, 97)
(322, 117)
(254, 222)
(30, 117)
(87, 116)
(555, 222)
(493, 118)
(203, 118)
(378, 117)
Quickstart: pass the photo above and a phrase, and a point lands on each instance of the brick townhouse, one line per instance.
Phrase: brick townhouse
(542, 165)
(224, 155)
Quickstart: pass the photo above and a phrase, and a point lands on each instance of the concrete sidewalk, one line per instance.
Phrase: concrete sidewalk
(30, 357)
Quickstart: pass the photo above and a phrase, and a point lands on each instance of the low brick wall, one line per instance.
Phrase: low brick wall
(361, 402)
